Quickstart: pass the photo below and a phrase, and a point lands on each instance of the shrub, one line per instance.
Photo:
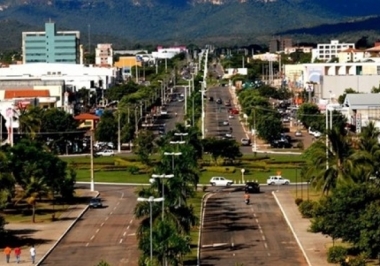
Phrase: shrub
(306, 208)
(336, 254)
(134, 170)
(298, 201)
(220, 169)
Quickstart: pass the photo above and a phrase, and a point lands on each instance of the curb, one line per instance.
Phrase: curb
(202, 214)
(64, 234)
(292, 229)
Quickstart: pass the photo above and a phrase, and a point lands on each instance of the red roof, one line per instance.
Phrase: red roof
(10, 94)
(86, 116)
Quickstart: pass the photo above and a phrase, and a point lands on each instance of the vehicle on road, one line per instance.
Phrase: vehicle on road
(227, 103)
(96, 203)
(164, 111)
(211, 99)
(281, 144)
(252, 187)
(233, 111)
(228, 135)
(315, 133)
(245, 142)
(106, 153)
(277, 180)
(298, 133)
(219, 101)
(226, 123)
(220, 181)
(230, 116)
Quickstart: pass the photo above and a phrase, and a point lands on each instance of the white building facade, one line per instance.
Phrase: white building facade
(104, 54)
(329, 51)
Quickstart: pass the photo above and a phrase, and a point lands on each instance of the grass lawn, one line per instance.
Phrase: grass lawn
(196, 202)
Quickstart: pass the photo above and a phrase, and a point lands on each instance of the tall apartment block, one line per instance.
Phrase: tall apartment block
(51, 46)
(104, 54)
(279, 44)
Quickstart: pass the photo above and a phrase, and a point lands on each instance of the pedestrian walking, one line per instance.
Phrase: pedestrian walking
(18, 254)
(7, 252)
(33, 253)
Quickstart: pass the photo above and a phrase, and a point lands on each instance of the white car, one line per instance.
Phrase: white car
(298, 133)
(220, 181)
(106, 153)
(225, 123)
(315, 133)
(277, 180)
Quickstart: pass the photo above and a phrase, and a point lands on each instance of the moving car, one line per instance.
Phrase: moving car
(228, 135)
(252, 187)
(277, 180)
(220, 181)
(298, 133)
(245, 142)
(106, 153)
(96, 203)
(226, 123)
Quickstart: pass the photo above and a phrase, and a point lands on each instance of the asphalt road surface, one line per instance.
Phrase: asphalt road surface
(254, 234)
(217, 113)
(106, 233)
(173, 107)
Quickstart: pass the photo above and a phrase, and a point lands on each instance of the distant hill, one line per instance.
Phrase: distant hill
(127, 22)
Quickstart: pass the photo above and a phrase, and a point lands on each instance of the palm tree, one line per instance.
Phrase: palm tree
(35, 188)
(338, 167)
(368, 154)
(30, 121)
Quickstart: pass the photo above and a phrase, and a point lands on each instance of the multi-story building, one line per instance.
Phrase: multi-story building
(301, 49)
(351, 55)
(329, 51)
(279, 44)
(51, 46)
(104, 54)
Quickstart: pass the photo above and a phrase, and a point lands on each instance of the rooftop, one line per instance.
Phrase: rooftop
(362, 100)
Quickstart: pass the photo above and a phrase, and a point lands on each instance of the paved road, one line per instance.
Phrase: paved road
(173, 107)
(102, 234)
(254, 234)
(217, 113)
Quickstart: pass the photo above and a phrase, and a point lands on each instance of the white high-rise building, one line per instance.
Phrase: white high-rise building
(104, 54)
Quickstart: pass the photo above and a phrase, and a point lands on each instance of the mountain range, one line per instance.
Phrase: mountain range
(186, 21)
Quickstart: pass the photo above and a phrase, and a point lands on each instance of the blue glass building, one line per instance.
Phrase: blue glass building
(51, 46)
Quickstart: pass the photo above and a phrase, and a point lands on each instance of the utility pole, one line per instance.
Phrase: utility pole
(92, 160)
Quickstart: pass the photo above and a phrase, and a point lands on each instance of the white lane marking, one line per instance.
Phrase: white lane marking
(92, 238)
(124, 233)
(114, 208)
(263, 237)
(101, 225)
(97, 231)
(107, 218)
(128, 227)
(133, 234)
(118, 203)
(121, 240)
(265, 244)
(261, 231)
(257, 221)
(122, 195)
(111, 213)
(131, 221)
(212, 245)
(87, 244)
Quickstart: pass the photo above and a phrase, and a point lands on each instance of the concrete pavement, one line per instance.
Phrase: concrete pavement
(46, 236)
(313, 246)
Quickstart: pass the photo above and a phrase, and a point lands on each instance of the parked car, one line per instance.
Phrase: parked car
(220, 181)
(96, 203)
(252, 187)
(277, 180)
(281, 143)
(315, 133)
(227, 103)
(219, 101)
(106, 153)
(298, 133)
(226, 123)
(233, 111)
(245, 142)
(211, 99)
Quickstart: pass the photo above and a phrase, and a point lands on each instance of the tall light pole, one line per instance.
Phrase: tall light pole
(118, 132)
(172, 154)
(163, 190)
(328, 127)
(92, 184)
(254, 130)
(150, 200)
(203, 109)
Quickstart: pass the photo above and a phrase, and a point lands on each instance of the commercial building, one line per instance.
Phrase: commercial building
(51, 46)
(279, 44)
(329, 51)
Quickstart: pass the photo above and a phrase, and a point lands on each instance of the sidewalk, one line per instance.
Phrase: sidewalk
(313, 246)
(47, 235)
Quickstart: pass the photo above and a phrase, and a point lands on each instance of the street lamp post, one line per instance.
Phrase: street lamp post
(172, 154)
(118, 133)
(203, 109)
(150, 200)
(92, 185)
(163, 190)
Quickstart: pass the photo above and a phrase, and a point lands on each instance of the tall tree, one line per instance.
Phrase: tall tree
(106, 130)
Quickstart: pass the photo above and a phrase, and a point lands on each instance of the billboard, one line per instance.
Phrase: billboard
(236, 71)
